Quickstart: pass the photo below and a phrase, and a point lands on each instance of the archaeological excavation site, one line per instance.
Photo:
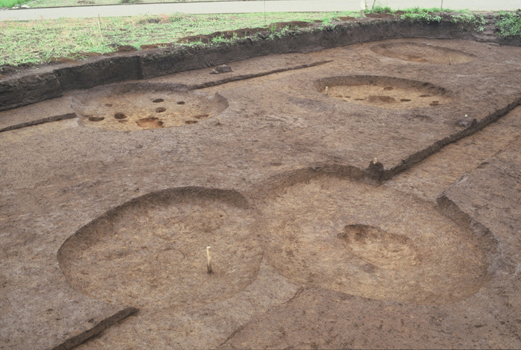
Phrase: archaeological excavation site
(359, 186)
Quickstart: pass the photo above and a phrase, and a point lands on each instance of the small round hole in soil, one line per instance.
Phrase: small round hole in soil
(150, 123)
(157, 100)
(381, 99)
(405, 100)
(191, 122)
(425, 95)
(160, 109)
(434, 103)
(95, 119)
(108, 104)
(120, 115)
(201, 116)
(388, 88)
(181, 102)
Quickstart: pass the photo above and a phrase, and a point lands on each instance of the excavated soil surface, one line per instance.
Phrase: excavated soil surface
(346, 204)
(134, 107)
(384, 92)
(148, 253)
(371, 241)
(423, 53)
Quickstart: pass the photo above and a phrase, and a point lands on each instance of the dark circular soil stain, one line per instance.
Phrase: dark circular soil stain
(150, 123)
(157, 100)
(120, 115)
(160, 109)
(95, 119)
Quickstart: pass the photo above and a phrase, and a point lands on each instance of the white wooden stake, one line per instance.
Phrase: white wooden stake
(99, 26)
(209, 263)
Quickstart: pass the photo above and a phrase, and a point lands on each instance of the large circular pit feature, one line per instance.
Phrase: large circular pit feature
(138, 106)
(151, 251)
(383, 92)
(375, 242)
(422, 53)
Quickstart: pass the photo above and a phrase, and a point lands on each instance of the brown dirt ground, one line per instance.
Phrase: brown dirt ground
(307, 251)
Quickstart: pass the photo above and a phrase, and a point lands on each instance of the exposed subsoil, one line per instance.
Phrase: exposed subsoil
(345, 203)
(127, 108)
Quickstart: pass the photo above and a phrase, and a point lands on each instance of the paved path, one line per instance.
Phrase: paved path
(243, 7)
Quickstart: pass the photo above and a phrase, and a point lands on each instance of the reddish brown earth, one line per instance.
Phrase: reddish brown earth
(345, 203)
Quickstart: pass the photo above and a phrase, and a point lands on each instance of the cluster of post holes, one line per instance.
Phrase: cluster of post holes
(122, 117)
(388, 99)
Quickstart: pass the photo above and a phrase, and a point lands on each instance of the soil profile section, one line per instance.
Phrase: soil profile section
(40, 121)
(386, 174)
(73, 342)
(35, 87)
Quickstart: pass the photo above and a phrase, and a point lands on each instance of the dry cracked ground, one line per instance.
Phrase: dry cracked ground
(368, 198)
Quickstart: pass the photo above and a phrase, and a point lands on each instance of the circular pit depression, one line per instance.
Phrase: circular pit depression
(151, 251)
(384, 92)
(138, 106)
(422, 53)
(375, 242)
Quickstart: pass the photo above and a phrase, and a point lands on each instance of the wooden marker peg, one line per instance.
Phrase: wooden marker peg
(209, 263)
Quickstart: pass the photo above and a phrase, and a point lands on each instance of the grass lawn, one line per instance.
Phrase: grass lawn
(37, 42)
(61, 3)
(56, 3)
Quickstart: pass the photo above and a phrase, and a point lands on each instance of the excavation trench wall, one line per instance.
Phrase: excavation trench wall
(34, 87)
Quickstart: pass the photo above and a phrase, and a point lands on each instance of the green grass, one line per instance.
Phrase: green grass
(380, 9)
(432, 15)
(11, 3)
(509, 24)
(59, 3)
(413, 10)
(36, 42)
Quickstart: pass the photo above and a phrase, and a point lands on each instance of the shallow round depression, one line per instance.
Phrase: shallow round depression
(423, 53)
(383, 92)
(138, 106)
(375, 242)
(151, 252)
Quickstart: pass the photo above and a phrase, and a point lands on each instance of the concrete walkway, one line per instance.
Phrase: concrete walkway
(243, 7)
